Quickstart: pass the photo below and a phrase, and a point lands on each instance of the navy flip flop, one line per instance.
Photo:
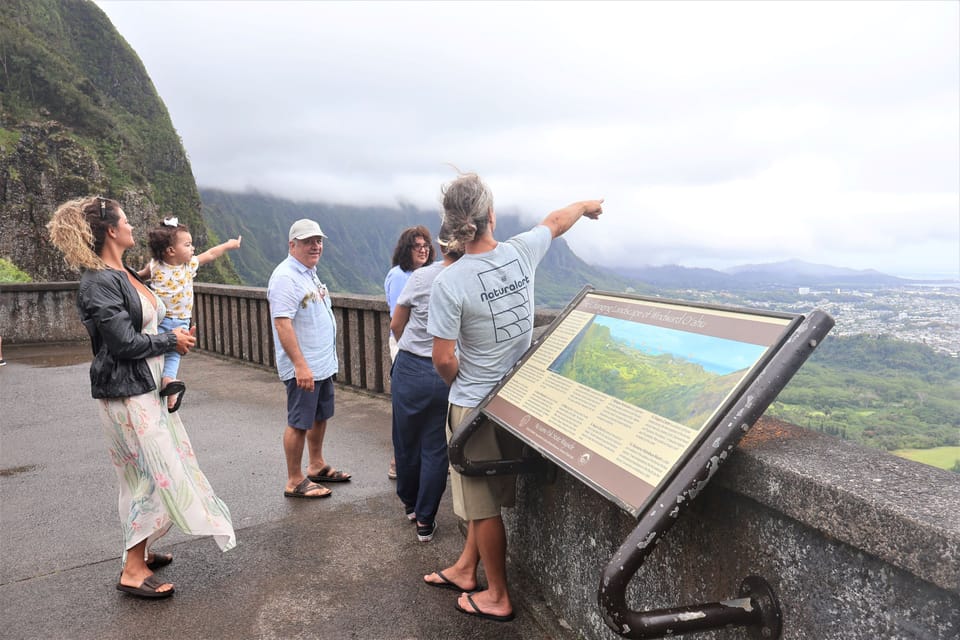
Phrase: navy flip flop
(329, 474)
(482, 614)
(449, 584)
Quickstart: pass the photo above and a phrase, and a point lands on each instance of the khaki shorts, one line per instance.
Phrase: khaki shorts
(481, 497)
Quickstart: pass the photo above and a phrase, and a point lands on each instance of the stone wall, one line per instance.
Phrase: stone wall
(233, 322)
(39, 312)
(856, 543)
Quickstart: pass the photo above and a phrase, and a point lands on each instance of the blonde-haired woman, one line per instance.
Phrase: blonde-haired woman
(160, 481)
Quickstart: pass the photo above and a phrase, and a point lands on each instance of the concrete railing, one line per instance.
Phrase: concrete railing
(857, 544)
(39, 312)
(233, 322)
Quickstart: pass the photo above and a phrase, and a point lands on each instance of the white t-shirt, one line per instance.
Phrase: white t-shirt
(416, 296)
(485, 302)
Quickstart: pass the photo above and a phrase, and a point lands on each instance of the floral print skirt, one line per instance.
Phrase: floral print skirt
(160, 481)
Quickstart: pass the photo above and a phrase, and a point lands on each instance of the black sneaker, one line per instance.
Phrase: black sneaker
(411, 515)
(425, 531)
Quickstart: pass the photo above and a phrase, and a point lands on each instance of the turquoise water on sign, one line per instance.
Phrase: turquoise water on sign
(716, 355)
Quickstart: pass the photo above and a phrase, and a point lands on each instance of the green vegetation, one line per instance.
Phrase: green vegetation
(10, 273)
(943, 457)
(8, 140)
(671, 387)
(876, 391)
(64, 61)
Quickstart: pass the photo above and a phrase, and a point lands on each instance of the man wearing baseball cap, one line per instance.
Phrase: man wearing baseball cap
(304, 336)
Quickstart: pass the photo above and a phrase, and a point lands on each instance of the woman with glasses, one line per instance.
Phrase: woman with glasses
(160, 481)
(414, 249)
(419, 398)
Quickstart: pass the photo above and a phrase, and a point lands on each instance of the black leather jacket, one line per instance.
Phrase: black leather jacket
(110, 310)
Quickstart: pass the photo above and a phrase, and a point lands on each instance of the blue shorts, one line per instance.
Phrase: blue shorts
(304, 408)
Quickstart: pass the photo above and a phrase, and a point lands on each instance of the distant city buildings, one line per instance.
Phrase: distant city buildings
(928, 315)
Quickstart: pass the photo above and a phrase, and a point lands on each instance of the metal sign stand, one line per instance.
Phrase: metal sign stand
(756, 606)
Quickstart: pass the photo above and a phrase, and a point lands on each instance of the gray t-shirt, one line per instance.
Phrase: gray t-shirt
(485, 302)
(416, 296)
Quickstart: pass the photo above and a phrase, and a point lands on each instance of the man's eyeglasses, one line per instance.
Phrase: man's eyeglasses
(421, 246)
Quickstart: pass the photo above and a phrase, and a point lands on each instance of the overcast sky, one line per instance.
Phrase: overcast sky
(719, 133)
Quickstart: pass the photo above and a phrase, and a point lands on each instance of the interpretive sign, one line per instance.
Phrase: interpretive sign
(621, 389)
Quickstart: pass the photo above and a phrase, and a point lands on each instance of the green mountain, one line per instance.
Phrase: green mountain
(359, 248)
(878, 391)
(79, 116)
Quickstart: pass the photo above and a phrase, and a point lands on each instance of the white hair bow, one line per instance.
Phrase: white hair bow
(171, 222)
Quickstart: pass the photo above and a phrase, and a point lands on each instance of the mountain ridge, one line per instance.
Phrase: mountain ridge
(791, 273)
(80, 116)
(361, 240)
(794, 265)
(358, 265)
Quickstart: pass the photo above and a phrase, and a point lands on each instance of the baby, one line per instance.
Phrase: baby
(170, 274)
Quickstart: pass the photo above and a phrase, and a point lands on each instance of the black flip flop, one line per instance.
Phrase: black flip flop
(159, 560)
(147, 589)
(174, 387)
(329, 474)
(300, 491)
(449, 584)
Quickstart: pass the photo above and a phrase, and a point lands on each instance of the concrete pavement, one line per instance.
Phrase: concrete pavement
(348, 566)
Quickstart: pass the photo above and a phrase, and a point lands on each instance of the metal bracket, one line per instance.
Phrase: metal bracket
(756, 608)
(456, 450)
(763, 598)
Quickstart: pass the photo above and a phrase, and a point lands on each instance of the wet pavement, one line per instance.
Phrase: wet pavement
(348, 566)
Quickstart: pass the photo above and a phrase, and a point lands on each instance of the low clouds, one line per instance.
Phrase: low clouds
(718, 132)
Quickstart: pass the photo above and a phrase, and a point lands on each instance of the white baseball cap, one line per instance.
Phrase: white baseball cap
(303, 229)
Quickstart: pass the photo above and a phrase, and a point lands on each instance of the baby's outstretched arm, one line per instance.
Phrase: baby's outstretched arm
(145, 272)
(213, 253)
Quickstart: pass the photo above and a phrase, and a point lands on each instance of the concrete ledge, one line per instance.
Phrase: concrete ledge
(848, 556)
(233, 321)
(869, 499)
(230, 290)
(34, 312)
